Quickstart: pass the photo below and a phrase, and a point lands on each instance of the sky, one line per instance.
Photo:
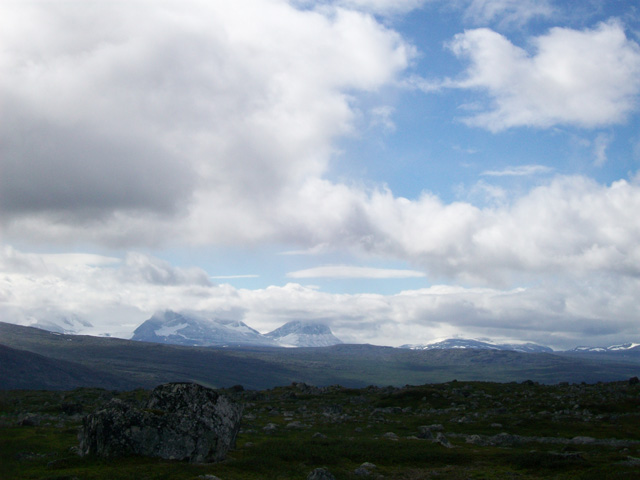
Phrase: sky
(402, 170)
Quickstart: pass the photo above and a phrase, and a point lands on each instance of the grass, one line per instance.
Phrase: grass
(341, 428)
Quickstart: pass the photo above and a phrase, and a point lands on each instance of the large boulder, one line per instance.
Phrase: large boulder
(181, 421)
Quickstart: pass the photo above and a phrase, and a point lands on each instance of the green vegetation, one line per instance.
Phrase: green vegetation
(495, 430)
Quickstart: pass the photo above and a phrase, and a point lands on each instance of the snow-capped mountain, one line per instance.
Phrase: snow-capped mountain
(459, 343)
(304, 334)
(67, 323)
(199, 329)
(625, 347)
(196, 329)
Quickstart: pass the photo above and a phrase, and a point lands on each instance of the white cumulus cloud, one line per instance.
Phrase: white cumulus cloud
(588, 78)
(118, 129)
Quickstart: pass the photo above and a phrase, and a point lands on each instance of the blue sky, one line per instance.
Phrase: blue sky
(402, 170)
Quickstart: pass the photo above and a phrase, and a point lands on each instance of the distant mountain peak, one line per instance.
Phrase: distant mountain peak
(201, 329)
(59, 322)
(297, 333)
(197, 329)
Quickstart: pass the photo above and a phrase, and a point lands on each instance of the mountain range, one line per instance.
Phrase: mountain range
(480, 345)
(190, 328)
(198, 329)
(33, 358)
(625, 347)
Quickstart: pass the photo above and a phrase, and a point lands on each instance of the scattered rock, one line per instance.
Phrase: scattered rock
(631, 461)
(296, 425)
(390, 436)
(181, 421)
(270, 428)
(320, 474)
(365, 470)
(477, 440)
(582, 440)
(442, 440)
(429, 432)
(362, 472)
(30, 420)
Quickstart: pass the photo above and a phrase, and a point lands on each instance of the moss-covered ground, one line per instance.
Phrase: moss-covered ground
(565, 431)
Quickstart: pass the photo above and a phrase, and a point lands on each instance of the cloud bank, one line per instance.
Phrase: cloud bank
(116, 295)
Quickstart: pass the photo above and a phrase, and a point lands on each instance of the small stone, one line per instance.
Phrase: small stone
(295, 424)
(320, 474)
(442, 440)
(391, 436)
(30, 420)
(582, 440)
(362, 472)
(270, 428)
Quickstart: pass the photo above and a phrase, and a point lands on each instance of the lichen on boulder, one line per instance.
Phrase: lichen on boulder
(181, 421)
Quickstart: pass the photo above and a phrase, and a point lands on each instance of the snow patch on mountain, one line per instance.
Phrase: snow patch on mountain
(167, 330)
(625, 346)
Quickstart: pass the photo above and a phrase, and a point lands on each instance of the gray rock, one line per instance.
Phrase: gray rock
(442, 440)
(296, 425)
(583, 440)
(506, 440)
(270, 428)
(631, 461)
(477, 440)
(181, 421)
(320, 474)
(429, 432)
(362, 472)
(365, 469)
(30, 420)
